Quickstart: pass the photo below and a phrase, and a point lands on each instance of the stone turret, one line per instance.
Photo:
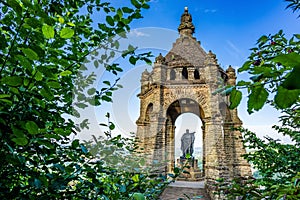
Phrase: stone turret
(231, 75)
(186, 26)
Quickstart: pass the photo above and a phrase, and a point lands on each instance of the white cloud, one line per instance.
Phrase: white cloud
(210, 10)
(137, 33)
(233, 47)
(233, 50)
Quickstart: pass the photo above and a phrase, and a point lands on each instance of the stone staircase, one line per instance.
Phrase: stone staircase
(184, 190)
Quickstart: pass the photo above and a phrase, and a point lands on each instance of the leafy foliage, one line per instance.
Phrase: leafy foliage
(43, 45)
(294, 5)
(275, 68)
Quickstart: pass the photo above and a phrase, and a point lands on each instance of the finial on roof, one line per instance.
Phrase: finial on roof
(230, 69)
(160, 59)
(186, 26)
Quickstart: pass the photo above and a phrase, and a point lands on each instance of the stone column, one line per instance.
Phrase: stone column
(191, 73)
(170, 147)
(178, 73)
(215, 157)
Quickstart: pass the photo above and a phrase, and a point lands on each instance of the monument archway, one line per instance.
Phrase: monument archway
(184, 80)
(174, 111)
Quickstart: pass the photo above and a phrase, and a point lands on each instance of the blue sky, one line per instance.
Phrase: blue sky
(228, 28)
(224, 26)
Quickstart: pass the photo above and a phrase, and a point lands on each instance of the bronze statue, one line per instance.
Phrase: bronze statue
(187, 143)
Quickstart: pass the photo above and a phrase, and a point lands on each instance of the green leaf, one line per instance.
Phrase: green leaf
(61, 20)
(81, 105)
(71, 24)
(4, 96)
(245, 66)
(111, 126)
(12, 80)
(48, 31)
(263, 39)
(96, 64)
(91, 91)
(106, 83)
(288, 60)
(38, 76)
(15, 5)
(18, 133)
(29, 53)
(257, 98)
(135, 178)
(32, 127)
(242, 83)
(132, 60)
(54, 84)
(65, 73)
(20, 141)
(292, 81)
(145, 6)
(138, 196)
(127, 10)
(75, 143)
(106, 98)
(187, 156)
(285, 98)
(135, 3)
(110, 20)
(66, 33)
(235, 98)
(297, 36)
(47, 94)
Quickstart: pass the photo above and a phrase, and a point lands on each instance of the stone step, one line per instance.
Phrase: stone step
(184, 190)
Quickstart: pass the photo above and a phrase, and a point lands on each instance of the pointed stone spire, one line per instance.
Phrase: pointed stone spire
(160, 59)
(186, 26)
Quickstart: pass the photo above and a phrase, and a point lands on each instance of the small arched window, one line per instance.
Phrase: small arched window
(196, 74)
(184, 73)
(148, 112)
(172, 74)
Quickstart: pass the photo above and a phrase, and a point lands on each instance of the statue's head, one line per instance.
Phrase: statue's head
(187, 130)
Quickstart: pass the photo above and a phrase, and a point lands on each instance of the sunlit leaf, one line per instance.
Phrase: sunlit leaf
(66, 33)
(48, 31)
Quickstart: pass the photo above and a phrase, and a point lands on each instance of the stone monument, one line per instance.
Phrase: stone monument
(184, 81)
(187, 144)
(187, 158)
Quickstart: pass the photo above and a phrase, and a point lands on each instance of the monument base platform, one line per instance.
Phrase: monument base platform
(194, 173)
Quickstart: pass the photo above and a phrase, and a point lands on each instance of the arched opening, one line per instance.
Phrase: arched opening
(172, 74)
(148, 112)
(193, 123)
(184, 73)
(196, 74)
(179, 109)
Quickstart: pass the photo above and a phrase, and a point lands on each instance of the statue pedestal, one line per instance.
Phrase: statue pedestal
(195, 174)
